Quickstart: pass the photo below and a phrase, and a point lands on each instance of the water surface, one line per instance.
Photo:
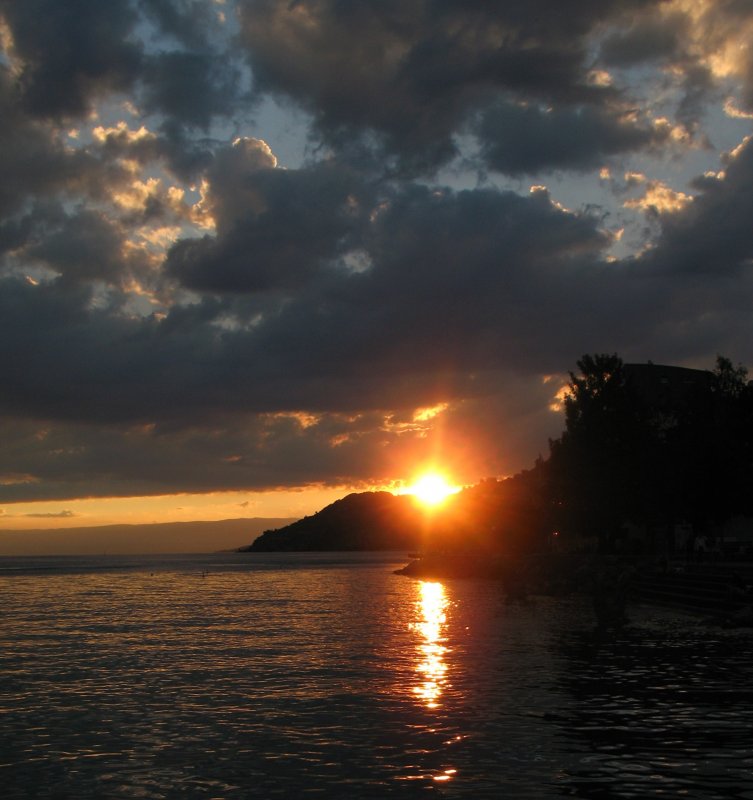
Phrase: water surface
(289, 675)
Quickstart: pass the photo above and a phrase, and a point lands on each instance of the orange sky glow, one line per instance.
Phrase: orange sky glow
(429, 488)
(166, 508)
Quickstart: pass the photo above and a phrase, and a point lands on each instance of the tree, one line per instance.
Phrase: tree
(729, 441)
(597, 394)
(729, 381)
(628, 454)
(598, 464)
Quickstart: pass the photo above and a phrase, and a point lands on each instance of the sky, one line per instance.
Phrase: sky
(256, 254)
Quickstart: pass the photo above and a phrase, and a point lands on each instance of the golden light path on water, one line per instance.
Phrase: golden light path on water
(432, 668)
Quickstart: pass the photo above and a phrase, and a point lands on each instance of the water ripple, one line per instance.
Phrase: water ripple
(339, 679)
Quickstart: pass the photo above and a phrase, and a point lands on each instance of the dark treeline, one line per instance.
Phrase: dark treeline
(654, 446)
(643, 444)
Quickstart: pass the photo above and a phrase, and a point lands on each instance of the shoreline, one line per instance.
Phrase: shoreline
(718, 593)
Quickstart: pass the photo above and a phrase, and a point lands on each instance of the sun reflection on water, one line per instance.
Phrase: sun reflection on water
(432, 667)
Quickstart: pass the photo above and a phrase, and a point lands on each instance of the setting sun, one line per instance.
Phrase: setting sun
(432, 489)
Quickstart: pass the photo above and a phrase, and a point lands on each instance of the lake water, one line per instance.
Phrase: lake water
(295, 675)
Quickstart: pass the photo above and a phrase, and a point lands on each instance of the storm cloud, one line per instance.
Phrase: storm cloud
(472, 196)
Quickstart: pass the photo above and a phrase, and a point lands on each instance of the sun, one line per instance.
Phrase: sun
(432, 489)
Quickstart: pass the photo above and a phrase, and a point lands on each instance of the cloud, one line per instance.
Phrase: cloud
(190, 88)
(414, 308)
(32, 160)
(65, 514)
(82, 247)
(68, 54)
(653, 37)
(272, 450)
(712, 234)
(702, 45)
(190, 22)
(275, 228)
(520, 140)
(658, 198)
(412, 73)
(461, 292)
(183, 310)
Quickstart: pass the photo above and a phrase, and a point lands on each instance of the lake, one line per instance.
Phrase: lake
(294, 675)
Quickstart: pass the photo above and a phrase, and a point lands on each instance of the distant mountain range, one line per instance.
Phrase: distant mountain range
(165, 537)
(362, 521)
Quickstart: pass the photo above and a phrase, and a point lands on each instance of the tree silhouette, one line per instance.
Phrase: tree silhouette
(729, 382)
(598, 462)
(651, 454)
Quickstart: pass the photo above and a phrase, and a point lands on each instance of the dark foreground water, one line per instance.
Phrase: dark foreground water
(326, 675)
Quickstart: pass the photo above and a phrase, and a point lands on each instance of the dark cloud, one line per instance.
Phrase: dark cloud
(184, 155)
(412, 72)
(199, 77)
(72, 52)
(179, 312)
(14, 233)
(189, 22)
(82, 247)
(263, 453)
(276, 229)
(519, 139)
(67, 514)
(32, 161)
(190, 88)
(71, 55)
(650, 38)
(451, 278)
(712, 234)
(51, 460)
(456, 289)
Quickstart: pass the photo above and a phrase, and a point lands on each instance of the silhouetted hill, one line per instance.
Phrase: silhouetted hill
(362, 521)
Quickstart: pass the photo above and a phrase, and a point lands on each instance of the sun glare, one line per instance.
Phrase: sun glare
(432, 489)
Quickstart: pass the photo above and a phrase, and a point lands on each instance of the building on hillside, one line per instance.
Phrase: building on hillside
(666, 389)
